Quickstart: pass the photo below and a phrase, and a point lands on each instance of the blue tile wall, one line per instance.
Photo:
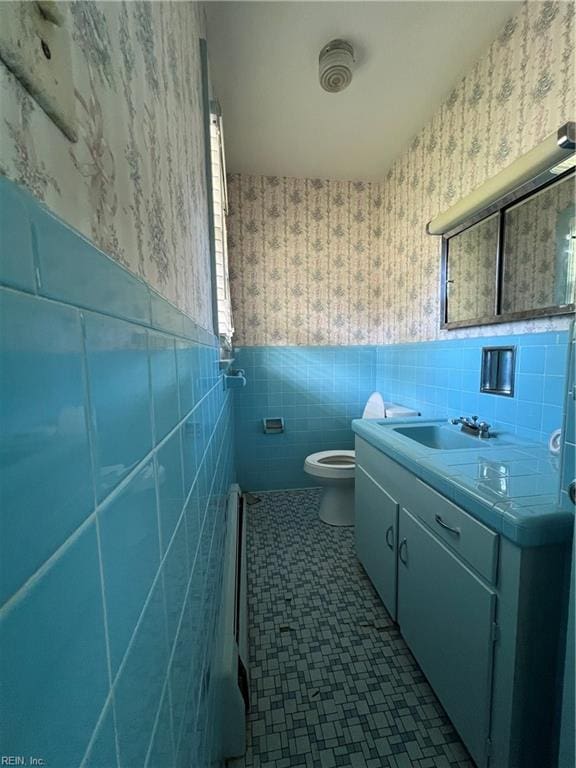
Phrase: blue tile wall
(116, 451)
(44, 432)
(120, 397)
(319, 390)
(569, 442)
(568, 474)
(442, 378)
(164, 382)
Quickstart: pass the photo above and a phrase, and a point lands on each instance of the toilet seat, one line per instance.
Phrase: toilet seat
(335, 470)
(331, 464)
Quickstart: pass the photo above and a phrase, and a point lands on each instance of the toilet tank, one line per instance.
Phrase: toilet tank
(395, 411)
(376, 408)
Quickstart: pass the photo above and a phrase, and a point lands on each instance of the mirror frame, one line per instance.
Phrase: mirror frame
(500, 207)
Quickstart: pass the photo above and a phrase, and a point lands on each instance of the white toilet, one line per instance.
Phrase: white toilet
(335, 469)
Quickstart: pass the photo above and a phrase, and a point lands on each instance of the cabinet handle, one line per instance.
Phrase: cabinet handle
(442, 524)
(390, 531)
(403, 548)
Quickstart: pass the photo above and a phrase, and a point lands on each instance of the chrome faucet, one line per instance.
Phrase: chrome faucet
(472, 426)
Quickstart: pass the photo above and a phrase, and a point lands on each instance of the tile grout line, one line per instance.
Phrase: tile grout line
(31, 580)
(213, 344)
(210, 494)
(177, 744)
(92, 442)
(140, 619)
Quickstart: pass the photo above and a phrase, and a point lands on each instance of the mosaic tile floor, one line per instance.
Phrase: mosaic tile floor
(332, 682)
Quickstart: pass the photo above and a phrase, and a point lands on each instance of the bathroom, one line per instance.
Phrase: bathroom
(288, 467)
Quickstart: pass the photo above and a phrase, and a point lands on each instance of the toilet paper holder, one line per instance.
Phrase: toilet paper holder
(273, 426)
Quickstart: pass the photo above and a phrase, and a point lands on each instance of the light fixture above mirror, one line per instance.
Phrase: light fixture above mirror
(509, 248)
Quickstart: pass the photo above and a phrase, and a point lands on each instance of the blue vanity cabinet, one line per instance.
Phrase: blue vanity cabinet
(483, 616)
(376, 531)
(446, 615)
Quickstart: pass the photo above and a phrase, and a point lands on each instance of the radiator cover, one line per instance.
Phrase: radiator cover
(235, 680)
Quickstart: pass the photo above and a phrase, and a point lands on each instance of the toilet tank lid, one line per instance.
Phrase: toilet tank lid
(376, 408)
(395, 411)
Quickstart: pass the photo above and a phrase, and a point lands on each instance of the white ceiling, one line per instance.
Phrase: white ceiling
(278, 120)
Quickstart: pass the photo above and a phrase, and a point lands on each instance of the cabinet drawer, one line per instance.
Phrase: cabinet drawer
(470, 539)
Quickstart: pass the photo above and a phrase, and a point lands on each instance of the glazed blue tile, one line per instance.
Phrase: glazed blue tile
(556, 359)
(193, 524)
(568, 454)
(139, 688)
(53, 663)
(529, 387)
(75, 271)
(194, 331)
(532, 359)
(175, 573)
(502, 487)
(184, 661)
(161, 753)
(130, 556)
(191, 435)
(185, 359)
(534, 435)
(506, 410)
(118, 387)
(16, 255)
(554, 390)
(189, 746)
(208, 369)
(529, 413)
(166, 316)
(164, 383)
(170, 487)
(440, 378)
(46, 489)
(470, 381)
(120, 392)
(552, 416)
(570, 424)
(103, 751)
(487, 407)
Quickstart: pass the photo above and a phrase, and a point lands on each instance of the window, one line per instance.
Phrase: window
(220, 208)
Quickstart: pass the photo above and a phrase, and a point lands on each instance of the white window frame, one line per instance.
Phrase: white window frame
(220, 211)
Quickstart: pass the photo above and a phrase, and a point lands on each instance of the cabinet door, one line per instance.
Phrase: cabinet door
(376, 528)
(446, 615)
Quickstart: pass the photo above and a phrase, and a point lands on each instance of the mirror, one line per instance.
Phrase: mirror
(471, 283)
(514, 261)
(538, 253)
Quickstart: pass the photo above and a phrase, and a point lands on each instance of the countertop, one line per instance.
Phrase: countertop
(509, 484)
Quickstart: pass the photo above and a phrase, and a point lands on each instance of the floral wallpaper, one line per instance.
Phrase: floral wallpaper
(539, 259)
(471, 289)
(306, 262)
(329, 262)
(134, 183)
